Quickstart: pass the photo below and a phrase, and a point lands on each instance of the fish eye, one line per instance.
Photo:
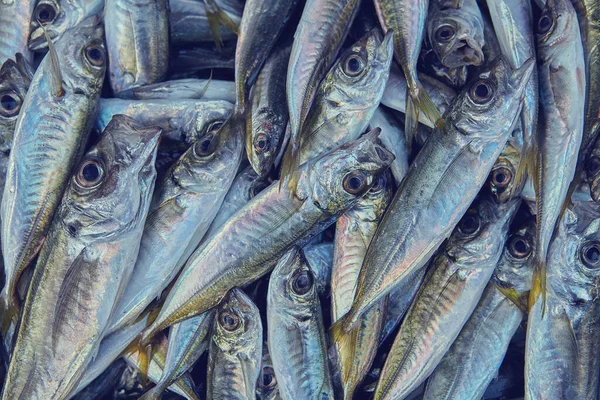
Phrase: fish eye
(95, 55)
(205, 147)
(445, 33)
(354, 64)
(501, 177)
(544, 23)
(379, 185)
(302, 282)
(45, 13)
(229, 321)
(268, 377)
(593, 165)
(590, 255)
(482, 91)
(262, 143)
(10, 104)
(519, 247)
(469, 224)
(215, 126)
(90, 174)
(355, 182)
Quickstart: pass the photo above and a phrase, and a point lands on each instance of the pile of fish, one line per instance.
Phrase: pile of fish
(300, 199)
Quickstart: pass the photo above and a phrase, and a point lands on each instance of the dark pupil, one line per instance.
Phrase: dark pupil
(445, 33)
(44, 15)
(520, 246)
(95, 54)
(482, 91)
(228, 320)
(500, 177)
(205, 145)
(544, 23)
(91, 172)
(354, 183)
(593, 167)
(353, 64)
(469, 224)
(8, 102)
(267, 379)
(592, 254)
(302, 282)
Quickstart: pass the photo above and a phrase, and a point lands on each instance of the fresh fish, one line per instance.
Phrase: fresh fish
(503, 178)
(188, 21)
(592, 169)
(57, 17)
(392, 137)
(394, 95)
(268, 114)
(183, 206)
(353, 233)
(323, 27)
(348, 96)
(447, 297)
(187, 62)
(561, 69)
(217, 17)
(250, 243)
(406, 18)
(137, 38)
(296, 333)
(430, 63)
(235, 350)
(182, 89)
(15, 16)
(85, 263)
(561, 359)
(513, 24)
(267, 387)
(320, 260)
(49, 137)
(443, 179)
(455, 31)
(475, 356)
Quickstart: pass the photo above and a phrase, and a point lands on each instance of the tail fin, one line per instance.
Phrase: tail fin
(10, 311)
(538, 285)
(290, 166)
(418, 100)
(217, 17)
(344, 338)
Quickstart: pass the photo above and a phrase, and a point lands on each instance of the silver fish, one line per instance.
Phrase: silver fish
(187, 62)
(296, 332)
(392, 137)
(320, 260)
(267, 387)
(182, 89)
(85, 263)
(15, 16)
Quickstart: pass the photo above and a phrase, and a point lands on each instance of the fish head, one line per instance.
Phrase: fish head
(491, 102)
(265, 137)
(431, 64)
(237, 326)
(339, 178)
(502, 181)
(556, 25)
(515, 268)
(56, 17)
(83, 58)
(267, 386)
(15, 78)
(358, 78)
(479, 236)
(113, 182)
(457, 37)
(372, 205)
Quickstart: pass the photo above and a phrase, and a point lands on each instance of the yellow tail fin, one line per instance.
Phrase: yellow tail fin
(538, 285)
(217, 17)
(290, 168)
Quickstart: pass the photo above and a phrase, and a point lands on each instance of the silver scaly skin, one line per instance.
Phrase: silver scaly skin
(137, 38)
(443, 179)
(15, 16)
(320, 260)
(297, 342)
(183, 89)
(354, 231)
(449, 294)
(562, 357)
(90, 250)
(188, 21)
(456, 32)
(48, 141)
(250, 243)
(235, 350)
(475, 356)
(57, 17)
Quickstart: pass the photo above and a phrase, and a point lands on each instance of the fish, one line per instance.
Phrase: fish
(454, 162)
(562, 80)
(323, 27)
(57, 17)
(188, 62)
(184, 205)
(353, 233)
(14, 28)
(48, 141)
(137, 38)
(235, 349)
(502, 181)
(250, 243)
(561, 352)
(348, 96)
(320, 260)
(296, 334)
(183, 89)
(104, 385)
(450, 292)
(267, 113)
(216, 17)
(267, 387)
(189, 24)
(455, 31)
(592, 170)
(474, 358)
(429, 63)
(406, 18)
(90, 249)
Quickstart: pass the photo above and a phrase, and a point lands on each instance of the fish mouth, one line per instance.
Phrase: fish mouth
(37, 39)
(463, 53)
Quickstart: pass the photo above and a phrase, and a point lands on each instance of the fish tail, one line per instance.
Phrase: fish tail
(344, 337)
(418, 100)
(289, 168)
(411, 121)
(57, 79)
(216, 18)
(538, 285)
(10, 311)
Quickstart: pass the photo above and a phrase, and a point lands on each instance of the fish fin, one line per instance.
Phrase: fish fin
(538, 284)
(206, 85)
(11, 310)
(217, 17)
(344, 340)
(526, 162)
(514, 296)
(57, 79)
(289, 168)
(425, 104)
(153, 394)
(411, 121)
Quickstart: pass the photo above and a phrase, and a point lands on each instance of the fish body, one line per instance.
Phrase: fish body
(85, 263)
(296, 332)
(137, 37)
(49, 137)
(14, 28)
(320, 260)
(183, 89)
(392, 137)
